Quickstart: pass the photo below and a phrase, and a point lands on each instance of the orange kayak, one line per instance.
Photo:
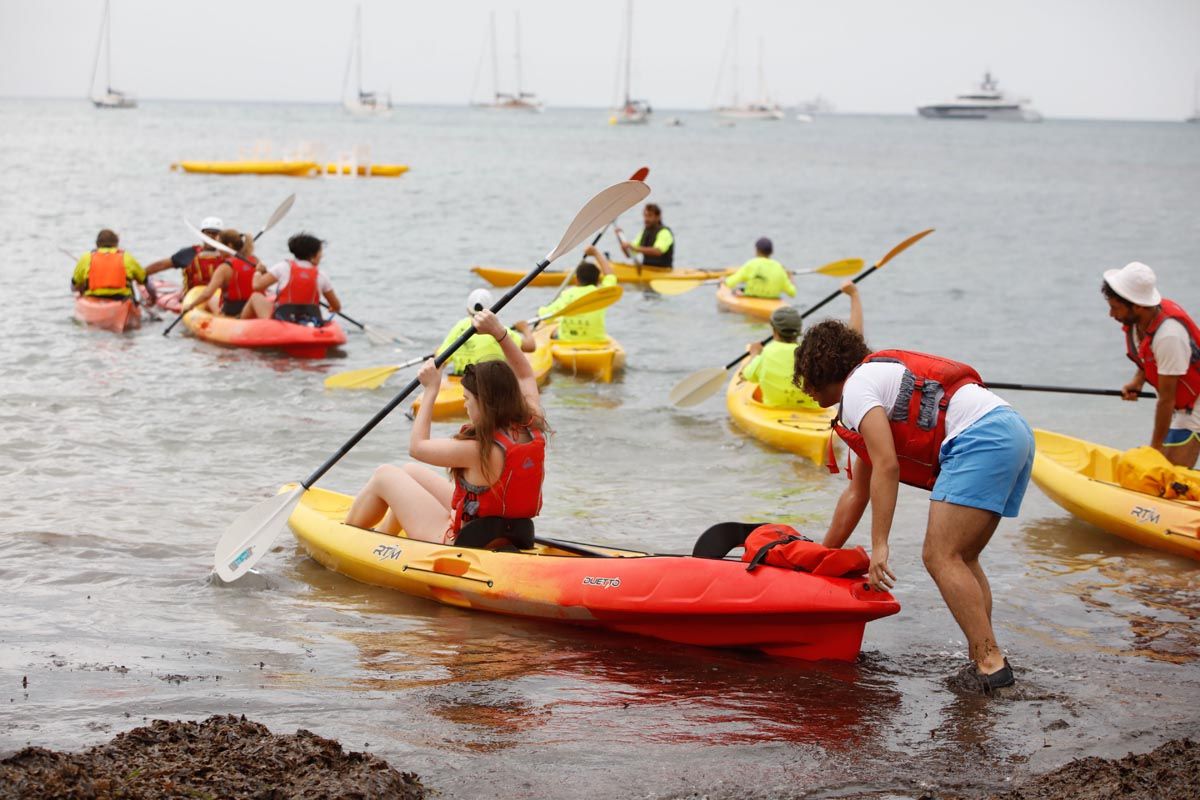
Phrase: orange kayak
(115, 315)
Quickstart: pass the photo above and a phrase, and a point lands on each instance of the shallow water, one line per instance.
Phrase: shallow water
(125, 457)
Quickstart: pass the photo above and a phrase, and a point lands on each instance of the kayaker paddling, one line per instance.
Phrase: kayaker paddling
(481, 347)
(196, 261)
(655, 244)
(1164, 344)
(588, 277)
(772, 365)
(762, 276)
(930, 423)
(301, 286)
(234, 278)
(109, 273)
(495, 462)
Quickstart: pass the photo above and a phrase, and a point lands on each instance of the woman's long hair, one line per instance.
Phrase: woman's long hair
(500, 406)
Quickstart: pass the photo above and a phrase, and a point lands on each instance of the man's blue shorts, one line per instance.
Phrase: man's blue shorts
(988, 465)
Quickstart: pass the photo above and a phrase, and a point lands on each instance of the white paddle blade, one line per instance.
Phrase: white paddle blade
(280, 213)
(600, 211)
(250, 536)
(208, 240)
(698, 387)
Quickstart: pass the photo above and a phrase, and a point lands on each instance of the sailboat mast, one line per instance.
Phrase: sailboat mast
(107, 49)
(99, 47)
(358, 43)
(628, 47)
(736, 78)
(495, 62)
(517, 55)
(762, 77)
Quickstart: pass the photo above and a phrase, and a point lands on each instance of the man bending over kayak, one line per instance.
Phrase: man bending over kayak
(482, 347)
(107, 272)
(928, 422)
(772, 366)
(301, 286)
(588, 277)
(762, 276)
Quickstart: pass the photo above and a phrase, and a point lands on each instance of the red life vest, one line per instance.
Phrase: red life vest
(241, 284)
(107, 271)
(302, 287)
(918, 420)
(200, 271)
(516, 494)
(1142, 354)
(783, 546)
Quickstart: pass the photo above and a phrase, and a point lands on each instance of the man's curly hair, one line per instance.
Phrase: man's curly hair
(828, 353)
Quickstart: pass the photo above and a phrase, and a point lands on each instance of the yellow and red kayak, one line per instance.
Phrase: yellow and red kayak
(116, 315)
(757, 307)
(1081, 477)
(451, 403)
(802, 431)
(301, 341)
(599, 360)
(712, 602)
(626, 273)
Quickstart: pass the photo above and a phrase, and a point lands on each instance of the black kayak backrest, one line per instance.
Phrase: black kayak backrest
(717, 541)
(494, 533)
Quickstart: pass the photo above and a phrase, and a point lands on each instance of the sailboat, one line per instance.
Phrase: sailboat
(631, 112)
(111, 98)
(362, 103)
(760, 109)
(520, 100)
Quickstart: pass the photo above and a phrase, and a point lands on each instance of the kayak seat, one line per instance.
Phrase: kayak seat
(717, 541)
(496, 533)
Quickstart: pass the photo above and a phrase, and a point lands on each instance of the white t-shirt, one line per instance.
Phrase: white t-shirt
(878, 384)
(1172, 349)
(283, 271)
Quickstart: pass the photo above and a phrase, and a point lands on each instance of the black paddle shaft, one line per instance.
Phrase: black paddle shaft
(1029, 387)
(439, 359)
(807, 314)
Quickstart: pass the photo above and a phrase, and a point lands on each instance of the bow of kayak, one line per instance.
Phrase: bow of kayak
(805, 432)
(599, 360)
(757, 307)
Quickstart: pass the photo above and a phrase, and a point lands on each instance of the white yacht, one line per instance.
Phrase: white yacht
(631, 112)
(762, 108)
(362, 103)
(520, 100)
(985, 102)
(112, 98)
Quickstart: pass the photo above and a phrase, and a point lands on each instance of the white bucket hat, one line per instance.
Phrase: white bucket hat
(479, 300)
(1135, 282)
(211, 224)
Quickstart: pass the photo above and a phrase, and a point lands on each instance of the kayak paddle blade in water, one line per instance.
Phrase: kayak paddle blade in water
(698, 387)
(600, 299)
(369, 378)
(248, 538)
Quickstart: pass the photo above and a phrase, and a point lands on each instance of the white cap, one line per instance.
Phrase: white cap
(479, 300)
(211, 224)
(1134, 282)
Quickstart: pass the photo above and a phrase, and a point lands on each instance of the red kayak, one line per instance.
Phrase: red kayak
(301, 341)
(117, 315)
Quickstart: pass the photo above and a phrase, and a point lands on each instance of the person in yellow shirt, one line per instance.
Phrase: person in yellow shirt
(772, 366)
(108, 271)
(655, 244)
(481, 346)
(588, 277)
(762, 276)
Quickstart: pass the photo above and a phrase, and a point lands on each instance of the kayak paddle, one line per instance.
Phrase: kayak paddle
(834, 269)
(704, 383)
(373, 377)
(1029, 387)
(640, 175)
(374, 335)
(248, 538)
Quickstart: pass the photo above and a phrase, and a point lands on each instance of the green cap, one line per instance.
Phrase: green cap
(786, 319)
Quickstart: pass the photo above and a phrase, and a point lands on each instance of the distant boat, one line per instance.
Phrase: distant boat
(762, 108)
(631, 112)
(362, 103)
(817, 105)
(112, 98)
(985, 102)
(520, 100)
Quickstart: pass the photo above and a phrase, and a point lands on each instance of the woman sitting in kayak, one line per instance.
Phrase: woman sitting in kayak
(234, 278)
(495, 462)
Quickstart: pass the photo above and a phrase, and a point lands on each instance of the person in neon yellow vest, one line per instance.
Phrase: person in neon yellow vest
(762, 276)
(588, 327)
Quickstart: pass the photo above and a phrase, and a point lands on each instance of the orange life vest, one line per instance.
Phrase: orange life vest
(783, 546)
(918, 420)
(303, 288)
(1142, 354)
(107, 271)
(201, 270)
(516, 494)
(241, 284)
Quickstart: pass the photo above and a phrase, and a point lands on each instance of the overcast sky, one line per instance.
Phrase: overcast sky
(1073, 58)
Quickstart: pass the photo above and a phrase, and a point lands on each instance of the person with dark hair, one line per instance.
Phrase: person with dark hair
(772, 365)
(108, 272)
(198, 262)
(301, 286)
(234, 278)
(928, 422)
(496, 462)
(655, 244)
(762, 276)
(482, 347)
(588, 327)
(1163, 342)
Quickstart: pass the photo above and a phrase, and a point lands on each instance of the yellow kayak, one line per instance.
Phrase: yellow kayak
(451, 403)
(1081, 477)
(626, 273)
(597, 359)
(757, 307)
(368, 170)
(799, 430)
(293, 168)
